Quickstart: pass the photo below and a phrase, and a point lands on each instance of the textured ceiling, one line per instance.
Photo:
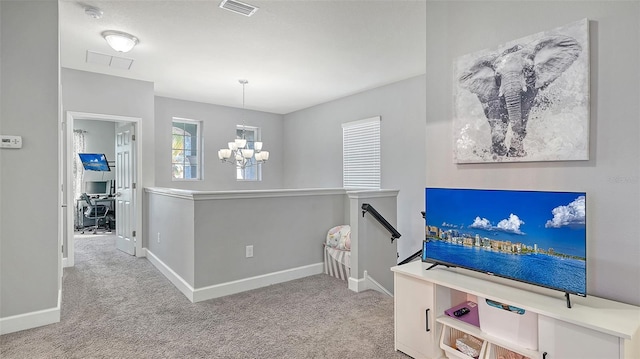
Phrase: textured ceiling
(295, 54)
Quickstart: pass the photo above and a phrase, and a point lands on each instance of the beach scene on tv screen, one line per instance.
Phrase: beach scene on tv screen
(94, 161)
(531, 236)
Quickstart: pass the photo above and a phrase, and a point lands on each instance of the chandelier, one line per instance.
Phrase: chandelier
(240, 152)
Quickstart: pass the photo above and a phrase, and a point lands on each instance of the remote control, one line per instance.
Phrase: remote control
(462, 311)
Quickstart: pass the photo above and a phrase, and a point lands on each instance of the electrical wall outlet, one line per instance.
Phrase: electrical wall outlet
(249, 251)
(158, 237)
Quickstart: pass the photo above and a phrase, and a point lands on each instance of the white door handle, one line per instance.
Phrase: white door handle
(118, 194)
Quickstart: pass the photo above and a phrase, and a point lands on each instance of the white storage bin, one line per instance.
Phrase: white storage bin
(519, 329)
(448, 343)
(498, 352)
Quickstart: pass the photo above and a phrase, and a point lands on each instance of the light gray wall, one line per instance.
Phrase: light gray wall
(218, 128)
(286, 232)
(29, 176)
(371, 247)
(611, 176)
(111, 95)
(100, 137)
(171, 237)
(313, 149)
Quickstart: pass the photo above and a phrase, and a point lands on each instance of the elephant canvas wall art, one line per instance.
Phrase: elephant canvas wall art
(527, 100)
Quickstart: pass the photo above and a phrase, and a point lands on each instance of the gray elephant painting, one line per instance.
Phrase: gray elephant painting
(507, 84)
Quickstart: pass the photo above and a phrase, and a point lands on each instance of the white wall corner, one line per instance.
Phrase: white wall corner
(357, 284)
(173, 277)
(141, 253)
(361, 284)
(68, 262)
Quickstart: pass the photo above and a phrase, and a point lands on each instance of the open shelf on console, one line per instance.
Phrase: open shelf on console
(497, 352)
(495, 346)
(448, 338)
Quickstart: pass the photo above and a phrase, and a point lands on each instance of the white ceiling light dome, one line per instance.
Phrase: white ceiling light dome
(120, 41)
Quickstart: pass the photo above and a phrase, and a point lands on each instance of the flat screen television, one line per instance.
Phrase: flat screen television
(94, 161)
(534, 237)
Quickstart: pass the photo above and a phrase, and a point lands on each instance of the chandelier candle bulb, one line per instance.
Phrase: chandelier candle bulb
(247, 153)
(257, 146)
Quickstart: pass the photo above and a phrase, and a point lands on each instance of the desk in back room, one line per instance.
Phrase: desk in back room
(81, 221)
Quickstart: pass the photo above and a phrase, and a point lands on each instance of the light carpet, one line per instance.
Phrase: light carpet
(118, 306)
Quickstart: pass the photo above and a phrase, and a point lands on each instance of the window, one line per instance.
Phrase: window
(361, 153)
(185, 149)
(253, 171)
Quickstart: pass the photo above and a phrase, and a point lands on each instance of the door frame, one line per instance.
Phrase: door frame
(67, 139)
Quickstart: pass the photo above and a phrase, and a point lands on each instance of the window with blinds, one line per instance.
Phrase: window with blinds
(361, 153)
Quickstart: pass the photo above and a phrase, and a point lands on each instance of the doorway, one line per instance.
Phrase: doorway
(127, 199)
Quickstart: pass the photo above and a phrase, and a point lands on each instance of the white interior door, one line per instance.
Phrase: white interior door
(125, 188)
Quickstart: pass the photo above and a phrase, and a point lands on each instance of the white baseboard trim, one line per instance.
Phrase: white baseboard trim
(242, 285)
(30, 320)
(372, 284)
(173, 277)
(361, 284)
(233, 287)
(67, 263)
(357, 284)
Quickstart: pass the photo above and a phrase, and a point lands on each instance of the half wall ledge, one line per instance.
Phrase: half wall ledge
(203, 237)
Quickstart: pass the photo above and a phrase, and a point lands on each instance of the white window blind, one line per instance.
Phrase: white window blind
(361, 153)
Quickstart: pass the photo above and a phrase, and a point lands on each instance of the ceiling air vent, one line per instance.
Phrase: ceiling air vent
(108, 60)
(238, 7)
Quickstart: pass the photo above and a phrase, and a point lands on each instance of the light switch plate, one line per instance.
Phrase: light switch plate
(9, 141)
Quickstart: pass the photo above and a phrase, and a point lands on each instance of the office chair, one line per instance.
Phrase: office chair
(98, 212)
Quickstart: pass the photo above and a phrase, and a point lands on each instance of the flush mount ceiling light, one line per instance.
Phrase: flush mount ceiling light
(238, 7)
(120, 41)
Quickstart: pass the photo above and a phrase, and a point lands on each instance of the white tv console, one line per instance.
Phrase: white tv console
(593, 328)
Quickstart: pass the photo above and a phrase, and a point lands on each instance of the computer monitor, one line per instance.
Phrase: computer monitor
(97, 187)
